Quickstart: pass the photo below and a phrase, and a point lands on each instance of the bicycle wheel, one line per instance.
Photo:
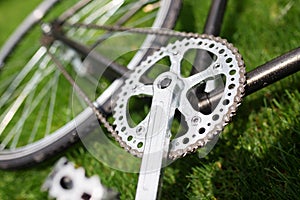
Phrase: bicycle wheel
(35, 117)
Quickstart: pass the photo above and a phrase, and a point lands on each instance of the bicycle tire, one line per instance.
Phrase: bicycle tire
(65, 136)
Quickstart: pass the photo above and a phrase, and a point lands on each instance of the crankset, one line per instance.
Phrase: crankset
(173, 96)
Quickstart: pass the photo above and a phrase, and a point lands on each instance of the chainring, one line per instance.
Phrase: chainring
(226, 67)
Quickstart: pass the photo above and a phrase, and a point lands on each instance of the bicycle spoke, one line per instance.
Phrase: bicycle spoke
(37, 100)
(44, 98)
(52, 103)
(37, 77)
(142, 20)
(99, 11)
(5, 83)
(134, 9)
(74, 9)
(125, 17)
(16, 131)
(69, 78)
(15, 84)
(18, 102)
(105, 12)
(38, 121)
(80, 100)
(89, 8)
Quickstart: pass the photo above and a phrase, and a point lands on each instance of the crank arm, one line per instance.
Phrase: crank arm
(166, 90)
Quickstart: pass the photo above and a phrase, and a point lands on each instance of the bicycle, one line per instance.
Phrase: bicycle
(18, 160)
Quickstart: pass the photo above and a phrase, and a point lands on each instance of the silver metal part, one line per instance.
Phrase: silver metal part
(166, 89)
(227, 66)
(66, 182)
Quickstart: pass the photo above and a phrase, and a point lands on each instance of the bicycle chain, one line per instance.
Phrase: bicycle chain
(225, 120)
(149, 31)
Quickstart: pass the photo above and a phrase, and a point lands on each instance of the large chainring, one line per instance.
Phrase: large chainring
(226, 70)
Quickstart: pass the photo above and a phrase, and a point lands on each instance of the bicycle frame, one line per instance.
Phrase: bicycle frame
(260, 77)
(257, 79)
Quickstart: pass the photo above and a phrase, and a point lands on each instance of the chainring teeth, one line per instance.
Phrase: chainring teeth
(240, 78)
(231, 60)
(232, 109)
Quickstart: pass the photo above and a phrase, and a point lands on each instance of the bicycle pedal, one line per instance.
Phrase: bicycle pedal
(66, 182)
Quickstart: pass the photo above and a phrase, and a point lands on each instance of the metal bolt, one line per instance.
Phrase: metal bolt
(46, 28)
(217, 65)
(165, 83)
(195, 120)
(140, 130)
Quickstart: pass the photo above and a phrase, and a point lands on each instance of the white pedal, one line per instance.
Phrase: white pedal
(66, 182)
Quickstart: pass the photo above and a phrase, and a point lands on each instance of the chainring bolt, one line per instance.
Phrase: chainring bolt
(165, 83)
(140, 130)
(195, 120)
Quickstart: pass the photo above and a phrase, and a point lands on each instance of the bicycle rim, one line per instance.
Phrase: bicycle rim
(36, 122)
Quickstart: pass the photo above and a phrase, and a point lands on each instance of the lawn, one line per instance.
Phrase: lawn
(258, 153)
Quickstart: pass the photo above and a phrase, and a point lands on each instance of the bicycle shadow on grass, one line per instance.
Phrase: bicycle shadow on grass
(263, 168)
(272, 175)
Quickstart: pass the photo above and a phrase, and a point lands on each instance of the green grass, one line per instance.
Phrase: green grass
(12, 13)
(258, 154)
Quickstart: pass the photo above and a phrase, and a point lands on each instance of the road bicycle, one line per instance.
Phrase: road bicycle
(24, 101)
